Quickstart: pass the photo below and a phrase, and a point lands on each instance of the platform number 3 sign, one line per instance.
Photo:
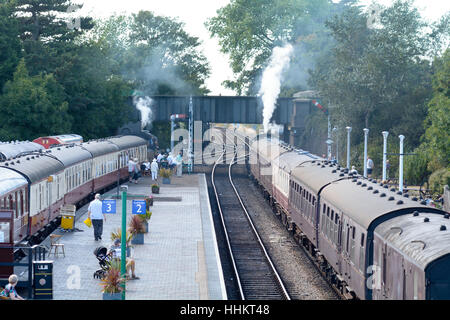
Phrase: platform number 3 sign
(138, 207)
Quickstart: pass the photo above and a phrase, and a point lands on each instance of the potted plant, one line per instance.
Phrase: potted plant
(155, 188)
(117, 234)
(145, 218)
(113, 282)
(165, 174)
(149, 201)
(137, 229)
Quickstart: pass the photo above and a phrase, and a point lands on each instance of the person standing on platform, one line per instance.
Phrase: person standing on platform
(369, 167)
(95, 213)
(179, 161)
(131, 166)
(388, 166)
(154, 169)
(136, 170)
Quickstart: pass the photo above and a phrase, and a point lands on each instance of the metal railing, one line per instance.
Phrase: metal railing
(33, 253)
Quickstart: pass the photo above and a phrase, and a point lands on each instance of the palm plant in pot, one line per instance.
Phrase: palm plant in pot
(113, 282)
(137, 229)
(145, 219)
(155, 188)
(165, 174)
(117, 234)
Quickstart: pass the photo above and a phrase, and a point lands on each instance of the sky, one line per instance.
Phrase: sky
(194, 14)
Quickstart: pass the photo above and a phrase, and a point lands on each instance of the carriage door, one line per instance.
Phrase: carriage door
(6, 242)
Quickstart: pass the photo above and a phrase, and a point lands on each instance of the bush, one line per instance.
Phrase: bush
(439, 179)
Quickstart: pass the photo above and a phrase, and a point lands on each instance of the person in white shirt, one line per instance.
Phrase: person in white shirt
(369, 166)
(160, 156)
(131, 168)
(154, 169)
(95, 213)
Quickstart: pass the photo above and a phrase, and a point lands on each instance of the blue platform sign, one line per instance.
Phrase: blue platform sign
(139, 207)
(109, 206)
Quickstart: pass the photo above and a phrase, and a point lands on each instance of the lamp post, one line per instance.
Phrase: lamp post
(385, 136)
(400, 166)
(349, 129)
(335, 129)
(366, 135)
(123, 252)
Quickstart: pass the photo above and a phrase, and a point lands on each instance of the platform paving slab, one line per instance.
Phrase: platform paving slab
(178, 261)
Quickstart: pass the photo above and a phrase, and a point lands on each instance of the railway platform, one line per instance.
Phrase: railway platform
(179, 259)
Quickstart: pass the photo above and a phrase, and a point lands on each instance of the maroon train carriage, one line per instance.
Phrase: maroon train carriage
(129, 147)
(75, 184)
(281, 179)
(358, 230)
(412, 253)
(44, 199)
(10, 150)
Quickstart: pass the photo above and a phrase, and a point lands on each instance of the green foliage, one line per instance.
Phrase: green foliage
(438, 120)
(10, 46)
(439, 179)
(32, 107)
(248, 30)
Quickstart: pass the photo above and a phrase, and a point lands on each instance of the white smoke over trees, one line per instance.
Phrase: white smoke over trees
(271, 80)
(143, 104)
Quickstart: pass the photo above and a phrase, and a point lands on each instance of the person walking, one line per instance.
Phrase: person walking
(369, 166)
(154, 168)
(95, 213)
(388, 166)
(10, 289)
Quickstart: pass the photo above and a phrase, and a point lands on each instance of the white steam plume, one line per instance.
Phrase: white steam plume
(271, 80)
(143, 105)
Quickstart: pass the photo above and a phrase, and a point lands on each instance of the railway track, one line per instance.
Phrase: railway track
(255, 272)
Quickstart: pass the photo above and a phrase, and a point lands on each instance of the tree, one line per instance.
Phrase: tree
(10, 46)
(47, 33)
(154, 53)
(248, 30)
(437, 135)
(32, 107)
(378, 78)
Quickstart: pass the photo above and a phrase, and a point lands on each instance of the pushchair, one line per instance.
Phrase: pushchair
(103, 259)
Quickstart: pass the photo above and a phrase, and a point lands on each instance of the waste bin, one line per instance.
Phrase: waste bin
(43, 280)
(68, 217)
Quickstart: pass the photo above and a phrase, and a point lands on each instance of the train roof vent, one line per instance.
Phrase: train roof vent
(370, 188)
(399, 192)
(358, 183)
(447, 216)
(393, 189)
(334, 171)
(414, 199)
(391, 199)
(400, 202)
(375, 191)
(415, 213)
(383, 195)
(364, 185)
(443, 228)
(354, 180)
(341, 175)
(386, 186)
(6, 164)
(381, 184)
(423, 202)
(406, 195)
(28, 158)
(426, 219)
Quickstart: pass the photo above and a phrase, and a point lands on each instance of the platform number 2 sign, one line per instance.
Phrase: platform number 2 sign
(138, 207)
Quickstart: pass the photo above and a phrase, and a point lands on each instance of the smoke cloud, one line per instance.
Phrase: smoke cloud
(143, 104)
(271, 80)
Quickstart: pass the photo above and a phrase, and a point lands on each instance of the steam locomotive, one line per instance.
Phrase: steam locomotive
(370, 241)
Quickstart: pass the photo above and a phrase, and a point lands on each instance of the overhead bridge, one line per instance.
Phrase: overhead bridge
(220, 109)
(289, 112)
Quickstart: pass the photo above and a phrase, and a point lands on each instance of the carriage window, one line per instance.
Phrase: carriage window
(324, 207)
(314, 201)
